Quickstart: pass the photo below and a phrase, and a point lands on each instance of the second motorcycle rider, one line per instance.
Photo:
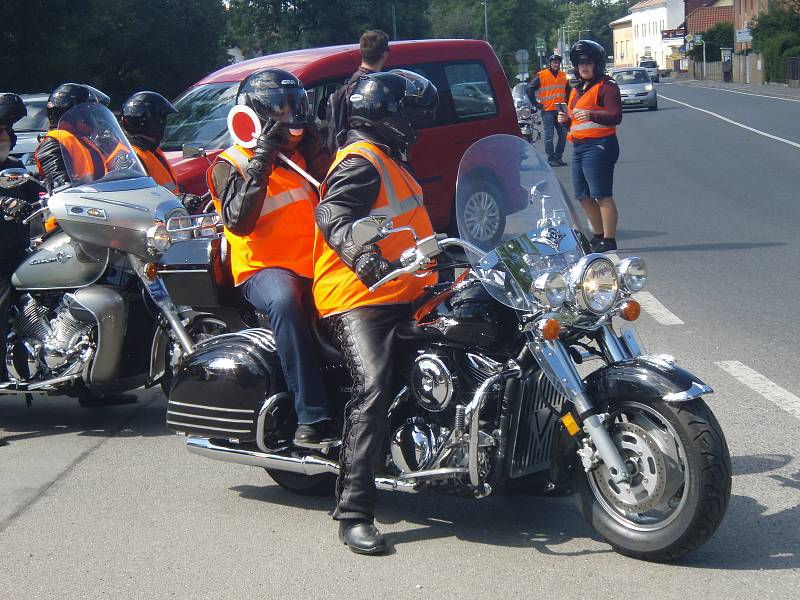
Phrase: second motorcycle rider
(368, 176)
(268, 213)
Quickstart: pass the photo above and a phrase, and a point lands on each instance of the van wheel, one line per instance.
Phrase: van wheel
(483, 219)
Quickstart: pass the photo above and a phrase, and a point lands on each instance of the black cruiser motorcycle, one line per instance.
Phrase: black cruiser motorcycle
(90, 315)
(488, 387)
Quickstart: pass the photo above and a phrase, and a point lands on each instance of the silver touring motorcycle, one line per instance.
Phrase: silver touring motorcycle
(494, 378)
(90, 316)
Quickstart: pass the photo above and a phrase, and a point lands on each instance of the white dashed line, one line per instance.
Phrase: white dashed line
(763, 386)
(732, 122)
(657, 310)
(708, 87)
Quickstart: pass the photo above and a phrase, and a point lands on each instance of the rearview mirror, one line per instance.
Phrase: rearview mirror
(190, 151)
(11, 178)
(370, 229)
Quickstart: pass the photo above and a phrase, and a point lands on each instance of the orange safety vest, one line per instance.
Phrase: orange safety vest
(84, 158)
(552, 89)
(585, 130)
(336, 287)
(284, 233)
(155, 164)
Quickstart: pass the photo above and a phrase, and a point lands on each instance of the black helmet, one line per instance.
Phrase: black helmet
(275, 94)
(69, 95)
(555, 57)
(587, 49)
(393, 105)
(12, 109)
(145, 113)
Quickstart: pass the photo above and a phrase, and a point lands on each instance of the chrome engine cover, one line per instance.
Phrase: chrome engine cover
(413, 446)
(432, 383)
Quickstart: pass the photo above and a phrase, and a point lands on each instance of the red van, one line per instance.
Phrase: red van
(474, 102)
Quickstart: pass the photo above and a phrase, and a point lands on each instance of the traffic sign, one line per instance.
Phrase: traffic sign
(698, 38)
(743, 36)
(690, 38)
(522, 56)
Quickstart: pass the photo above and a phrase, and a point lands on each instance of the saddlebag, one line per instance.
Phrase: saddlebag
(193, 272)
(219, 390)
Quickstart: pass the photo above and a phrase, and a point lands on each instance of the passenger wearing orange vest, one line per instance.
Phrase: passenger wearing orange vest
(144, 119)
(551, 88)
(369, 177)
(86, 159)
(594, 110)
(268, 212)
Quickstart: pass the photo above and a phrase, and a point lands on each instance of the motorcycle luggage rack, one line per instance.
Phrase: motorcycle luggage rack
(206, 225)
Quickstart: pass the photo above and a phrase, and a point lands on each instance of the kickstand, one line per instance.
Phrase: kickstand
(28, 400)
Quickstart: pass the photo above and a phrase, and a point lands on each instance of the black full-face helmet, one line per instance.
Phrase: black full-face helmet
(555, 57)
(70, 95)
(393, 105)
(12, 109)
(275, 94)
(588, 50)
(145, 113)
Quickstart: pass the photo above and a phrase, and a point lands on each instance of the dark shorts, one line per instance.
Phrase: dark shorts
(593, 167)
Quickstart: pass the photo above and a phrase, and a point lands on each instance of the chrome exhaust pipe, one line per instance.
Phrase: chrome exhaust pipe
(304, 465)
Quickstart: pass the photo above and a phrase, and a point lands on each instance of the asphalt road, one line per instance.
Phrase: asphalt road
(105, 503)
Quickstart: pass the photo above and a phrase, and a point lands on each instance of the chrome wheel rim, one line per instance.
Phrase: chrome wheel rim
(656, 461)
(481, 216)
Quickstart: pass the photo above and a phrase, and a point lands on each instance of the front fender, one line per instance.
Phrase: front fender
(646, 378)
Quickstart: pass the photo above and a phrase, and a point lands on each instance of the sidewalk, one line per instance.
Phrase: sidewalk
(778, 90)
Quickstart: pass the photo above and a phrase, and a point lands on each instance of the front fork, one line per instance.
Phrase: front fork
(560, 370)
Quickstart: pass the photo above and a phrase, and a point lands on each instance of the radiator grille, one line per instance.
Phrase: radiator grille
(534, 426)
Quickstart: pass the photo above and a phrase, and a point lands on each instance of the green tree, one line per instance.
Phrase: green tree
(719, 35)
(775, 35)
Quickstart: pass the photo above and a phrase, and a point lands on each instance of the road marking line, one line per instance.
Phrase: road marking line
(732, 122)
(707, 87)
(763, 386)
(657, 310)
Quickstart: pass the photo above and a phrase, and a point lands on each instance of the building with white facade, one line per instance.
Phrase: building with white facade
(648, 19)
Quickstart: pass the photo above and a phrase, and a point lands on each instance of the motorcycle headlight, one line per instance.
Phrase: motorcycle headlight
(524, 112)
(632, 273)
(179, 225)
(158, 237)
(550, 289)
(596, 284)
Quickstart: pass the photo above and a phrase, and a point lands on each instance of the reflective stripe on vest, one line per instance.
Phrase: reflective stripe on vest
(336, 288)
(280, 239)
(552, 90)
(585, 130)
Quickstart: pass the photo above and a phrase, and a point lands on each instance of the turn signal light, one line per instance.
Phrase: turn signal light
(570, 424)
(50, 225)
(151, 271)
(550, 329)
(631, 310)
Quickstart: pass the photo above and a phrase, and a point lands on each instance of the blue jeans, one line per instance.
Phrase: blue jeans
(550, 123)
(593, 167)
(286, 299)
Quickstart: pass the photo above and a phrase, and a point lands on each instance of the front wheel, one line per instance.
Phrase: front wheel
(680, 485)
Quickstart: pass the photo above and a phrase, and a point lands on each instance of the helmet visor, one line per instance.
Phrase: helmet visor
(421, 98)
(285, 105)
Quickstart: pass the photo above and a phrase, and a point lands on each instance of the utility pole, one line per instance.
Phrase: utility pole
(394, 22)
(485, 19)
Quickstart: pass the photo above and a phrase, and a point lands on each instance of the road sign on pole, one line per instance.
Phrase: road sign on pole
(522, 56)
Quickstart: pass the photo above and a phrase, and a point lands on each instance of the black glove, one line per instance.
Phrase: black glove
(371, 267)
(191, 202)
(14, 209)
(266, 151)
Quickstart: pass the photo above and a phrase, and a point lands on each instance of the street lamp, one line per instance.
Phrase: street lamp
(485, 19)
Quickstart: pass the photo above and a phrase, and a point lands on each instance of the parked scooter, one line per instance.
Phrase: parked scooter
(90, 316)
(488, 389)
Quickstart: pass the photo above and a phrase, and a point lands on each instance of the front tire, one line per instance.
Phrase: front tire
(681, 480)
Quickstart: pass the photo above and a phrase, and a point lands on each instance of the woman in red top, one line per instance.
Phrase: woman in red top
(593, 112)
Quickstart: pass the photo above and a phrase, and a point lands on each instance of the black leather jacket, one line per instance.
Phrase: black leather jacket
(350, 193)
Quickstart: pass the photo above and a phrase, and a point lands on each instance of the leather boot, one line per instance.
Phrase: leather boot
(362, 537)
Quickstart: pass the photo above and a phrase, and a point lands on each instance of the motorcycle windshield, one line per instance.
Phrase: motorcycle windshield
(519, 94)
(94, 146)
(511, 206)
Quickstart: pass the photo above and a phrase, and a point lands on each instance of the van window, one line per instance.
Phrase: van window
(472, 92)
(202, 117)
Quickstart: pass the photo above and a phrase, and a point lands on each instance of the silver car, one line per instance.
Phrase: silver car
(29, 128)
(636, 88)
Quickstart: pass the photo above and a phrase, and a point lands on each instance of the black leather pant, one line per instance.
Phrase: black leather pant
(366, 336)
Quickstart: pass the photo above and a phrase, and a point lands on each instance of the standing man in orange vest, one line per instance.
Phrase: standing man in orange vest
(87, 160)
(551, 88)
(268, 212)
(594, 110)
(144, 118)
(369, 177)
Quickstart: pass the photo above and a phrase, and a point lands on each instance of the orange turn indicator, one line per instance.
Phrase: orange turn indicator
(570, 424)
(151, 271)
(631, 310)
(550, 329)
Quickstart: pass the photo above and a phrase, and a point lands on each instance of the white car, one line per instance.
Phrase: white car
(652, 68)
